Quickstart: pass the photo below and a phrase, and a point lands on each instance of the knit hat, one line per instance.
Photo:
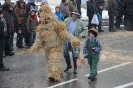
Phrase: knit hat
(1, 12)
(31, 1)
(20, 0)
(44, 2)
(93, 31)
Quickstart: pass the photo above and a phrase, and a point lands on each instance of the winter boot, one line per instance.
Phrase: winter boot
(75, 67)
(69, 66)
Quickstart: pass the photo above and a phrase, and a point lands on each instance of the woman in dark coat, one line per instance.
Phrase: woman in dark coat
(128, 14)
(21, 14)
(91, 10)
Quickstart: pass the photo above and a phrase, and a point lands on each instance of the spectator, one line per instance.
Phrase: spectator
(120, 14)
(31, 26)
(28, 6)
(59, 14)
(72, 5)
(77, 28)
(78, 2)
(64, 9)
(100, 6)
(7, 14)
(43, 2)
(91, 10)
(2, 44)
(112, 11)
(20, 12)
(128, 14)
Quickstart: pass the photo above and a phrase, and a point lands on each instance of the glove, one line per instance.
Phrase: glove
(101, 7)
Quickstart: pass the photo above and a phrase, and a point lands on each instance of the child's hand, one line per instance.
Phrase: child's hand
(83, 61)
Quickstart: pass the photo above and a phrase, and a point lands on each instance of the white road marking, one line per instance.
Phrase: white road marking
(89, 74)
(111, 68)
(125, 85)
(63, 83)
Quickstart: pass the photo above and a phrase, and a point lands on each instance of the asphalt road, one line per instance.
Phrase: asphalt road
(28, 70)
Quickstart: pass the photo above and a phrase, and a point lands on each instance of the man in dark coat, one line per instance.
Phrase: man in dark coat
(128, 14)
(91, 10)
(78, 2)
(100, 6)
(112, 11)
(120, 13)
(7, 14)
(2, 43)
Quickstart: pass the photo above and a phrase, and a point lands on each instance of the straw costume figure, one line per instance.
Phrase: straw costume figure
(50, 38)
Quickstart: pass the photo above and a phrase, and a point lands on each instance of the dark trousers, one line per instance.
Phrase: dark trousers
(128, 22)
(67, 56)
(118, 21)
(100, 22)
(11, 37)
(89, 22)
(7, 45)
(111, 22)
(2, 44)
(79, 8)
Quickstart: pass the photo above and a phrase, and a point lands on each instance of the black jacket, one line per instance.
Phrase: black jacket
(78, 2)
(99, 3)
(2, 33)
(128, 7)
(91, 7)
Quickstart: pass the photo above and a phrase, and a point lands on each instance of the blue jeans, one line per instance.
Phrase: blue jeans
(67, 56)
(19, 42)
(11, 37)
(9, 41)
(32, 38)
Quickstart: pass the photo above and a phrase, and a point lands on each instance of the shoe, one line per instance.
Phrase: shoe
(11, 54)
(89, 77)
(93, 79)
(67, 69)
(4, 69)
(112, 30)
(20, 47)
(52, 79)
(75, 71)
(100, 30)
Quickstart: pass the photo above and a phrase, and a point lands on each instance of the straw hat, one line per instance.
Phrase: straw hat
(93, 30)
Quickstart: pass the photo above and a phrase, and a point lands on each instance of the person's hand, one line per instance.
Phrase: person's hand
(83, 61)
(101, 7)
(80, 36)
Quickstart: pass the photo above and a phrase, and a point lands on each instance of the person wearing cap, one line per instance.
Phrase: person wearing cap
(31, 26)
(2, 43)
(78, 29)
(91, 51)
(43, 2)
(59, 14)
(28, 6)
(8, 16)
(21, 14)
